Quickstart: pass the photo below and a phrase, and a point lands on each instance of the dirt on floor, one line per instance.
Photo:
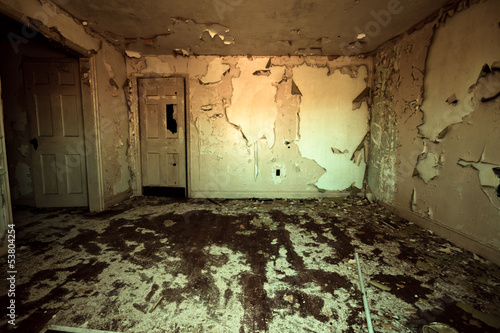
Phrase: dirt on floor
(198, 265)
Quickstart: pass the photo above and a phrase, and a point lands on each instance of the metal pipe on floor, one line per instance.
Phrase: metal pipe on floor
(365, 299)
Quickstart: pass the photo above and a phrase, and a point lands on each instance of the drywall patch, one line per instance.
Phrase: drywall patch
(215, 72)
(326, 107)
(253, 106)
(428, 167)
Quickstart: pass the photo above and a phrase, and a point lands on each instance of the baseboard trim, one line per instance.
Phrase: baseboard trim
(267, 195)
(117, 198)
(456, 237)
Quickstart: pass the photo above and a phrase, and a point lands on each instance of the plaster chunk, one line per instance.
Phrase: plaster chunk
(428, 167)
(253, 107)
(215, 72)
(326, 107)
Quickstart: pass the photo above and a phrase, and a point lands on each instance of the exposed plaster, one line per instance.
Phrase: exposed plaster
(216, 69)
(460, 70)
(253, 106)
(230, 148)
(428, 167)
(429, 114)
(325, 108)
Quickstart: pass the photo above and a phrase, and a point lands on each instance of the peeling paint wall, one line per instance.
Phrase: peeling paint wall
(113, 122)
(435, 120)
(267, 126)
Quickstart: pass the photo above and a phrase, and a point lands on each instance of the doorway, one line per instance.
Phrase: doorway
(162, 136)
(63, 108)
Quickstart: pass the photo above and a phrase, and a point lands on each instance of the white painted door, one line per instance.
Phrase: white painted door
(53, 97)
(5, 204)
(162, 124)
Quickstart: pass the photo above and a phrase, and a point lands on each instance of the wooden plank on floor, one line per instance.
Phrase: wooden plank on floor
(66, 329)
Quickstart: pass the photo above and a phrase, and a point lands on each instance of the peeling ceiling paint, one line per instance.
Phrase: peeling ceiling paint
(258, 27)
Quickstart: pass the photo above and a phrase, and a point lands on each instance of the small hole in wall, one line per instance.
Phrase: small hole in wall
(278, 172)
(171, 122)
(496, 171)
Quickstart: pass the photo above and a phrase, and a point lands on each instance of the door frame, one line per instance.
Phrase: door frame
(92, 133)
(90, 108)
(136, 128)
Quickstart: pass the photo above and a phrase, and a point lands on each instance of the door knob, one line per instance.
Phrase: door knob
(34, 142)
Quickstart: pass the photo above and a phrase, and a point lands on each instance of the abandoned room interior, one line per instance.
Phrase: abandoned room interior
(250, 166)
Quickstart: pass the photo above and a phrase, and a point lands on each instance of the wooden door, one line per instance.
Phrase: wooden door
(162, 133)
(53, 96)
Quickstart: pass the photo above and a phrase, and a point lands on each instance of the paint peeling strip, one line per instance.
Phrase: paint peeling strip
(443, 133)
(295, 89)
(133, 54)
(183, 52)
(312, 51)
(362, 97)
(337, 151)
(262, 72)
(452, 100)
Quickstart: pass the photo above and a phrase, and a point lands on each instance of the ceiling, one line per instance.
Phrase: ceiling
(250, 27)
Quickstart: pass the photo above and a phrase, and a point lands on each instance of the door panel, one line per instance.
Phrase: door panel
(162, 124)
(53, 97)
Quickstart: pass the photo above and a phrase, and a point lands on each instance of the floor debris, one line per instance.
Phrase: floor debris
(171, 265)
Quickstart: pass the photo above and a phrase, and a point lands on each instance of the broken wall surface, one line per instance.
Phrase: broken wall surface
(266, 126)
(434, 128)
(113, 123)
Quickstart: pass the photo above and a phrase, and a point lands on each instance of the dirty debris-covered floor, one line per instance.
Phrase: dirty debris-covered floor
(197, 265)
